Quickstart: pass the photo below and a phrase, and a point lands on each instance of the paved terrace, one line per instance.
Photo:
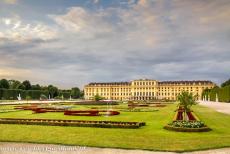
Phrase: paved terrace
(218, 106)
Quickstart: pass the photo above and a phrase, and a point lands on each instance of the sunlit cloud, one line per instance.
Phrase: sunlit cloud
(163, 40)
(10, 1)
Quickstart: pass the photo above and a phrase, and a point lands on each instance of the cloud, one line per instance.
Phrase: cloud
(18, 31)
(10, 1)
(83, 23)
(163, 40)
(96, 1)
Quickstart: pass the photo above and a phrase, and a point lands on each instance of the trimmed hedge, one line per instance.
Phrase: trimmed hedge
(12, 94)
(76, 123)
(222, 93)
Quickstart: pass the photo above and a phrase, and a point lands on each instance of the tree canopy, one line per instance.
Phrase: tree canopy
(186, 100)
(27, 84)
(226, 83)
(53, 91)
(4, 84)
(75, 92)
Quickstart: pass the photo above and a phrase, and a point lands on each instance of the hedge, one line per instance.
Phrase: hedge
(222, 93)
(66, 95)
(12, 94)
(76, 123)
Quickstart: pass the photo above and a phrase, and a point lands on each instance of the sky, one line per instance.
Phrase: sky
(70, 43)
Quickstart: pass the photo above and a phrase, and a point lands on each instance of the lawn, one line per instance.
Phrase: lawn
(150, 137)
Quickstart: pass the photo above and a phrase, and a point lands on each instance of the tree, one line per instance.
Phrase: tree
(53, 91)
(75, 92)
(27, 84)
(36, 87)
(82, 94)
(226, 83)
(186, 100)
(4, 84)
(43, 97)
(14, 84)
(97, 97)
(21, 86)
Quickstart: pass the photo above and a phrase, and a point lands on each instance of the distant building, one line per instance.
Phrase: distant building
(145, 89)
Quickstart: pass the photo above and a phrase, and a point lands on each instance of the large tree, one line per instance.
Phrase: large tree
(75, 92)
(4, 84)
(14, 84)
(36, 87)
(226, 83)
(53, 91)
(27, 84)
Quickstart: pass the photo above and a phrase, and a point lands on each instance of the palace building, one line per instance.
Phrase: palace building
(145, 89)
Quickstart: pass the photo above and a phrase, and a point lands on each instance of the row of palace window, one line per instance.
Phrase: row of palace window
(107, 94)
(143, 83)
(143, 93)
(146, 88)
(170, 88)
(170, 94)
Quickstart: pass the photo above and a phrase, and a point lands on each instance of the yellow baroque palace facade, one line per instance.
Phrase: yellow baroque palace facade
(145, 89)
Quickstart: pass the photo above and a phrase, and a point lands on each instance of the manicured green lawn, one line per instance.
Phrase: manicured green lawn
(151, 137)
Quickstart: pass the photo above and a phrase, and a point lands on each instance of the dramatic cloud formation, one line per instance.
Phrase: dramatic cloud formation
(10, 1)
(163, 40)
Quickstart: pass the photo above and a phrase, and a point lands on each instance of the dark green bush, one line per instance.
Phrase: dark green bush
(12, 94)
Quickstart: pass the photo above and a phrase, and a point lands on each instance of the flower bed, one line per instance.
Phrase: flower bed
(186, 122)
(187, 126)
(76, 123)
(44, 110)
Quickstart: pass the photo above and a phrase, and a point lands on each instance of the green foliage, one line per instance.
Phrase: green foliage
(226, 83)
(11, 94)
(75, 92)
(186, 100)
(4, 84)
(28, 97)
(43, 97)
(14, 84)
(10, 90)
(222, 93)
(53, 91)
(27, 84)
(65, 94)
(213, 92)
(98, 97)
(36, 87)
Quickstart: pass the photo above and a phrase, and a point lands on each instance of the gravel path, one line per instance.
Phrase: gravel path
(30, 148)
(218, 106)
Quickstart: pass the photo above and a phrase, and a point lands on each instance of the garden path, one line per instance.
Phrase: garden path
(31, 148)
(218, 106)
